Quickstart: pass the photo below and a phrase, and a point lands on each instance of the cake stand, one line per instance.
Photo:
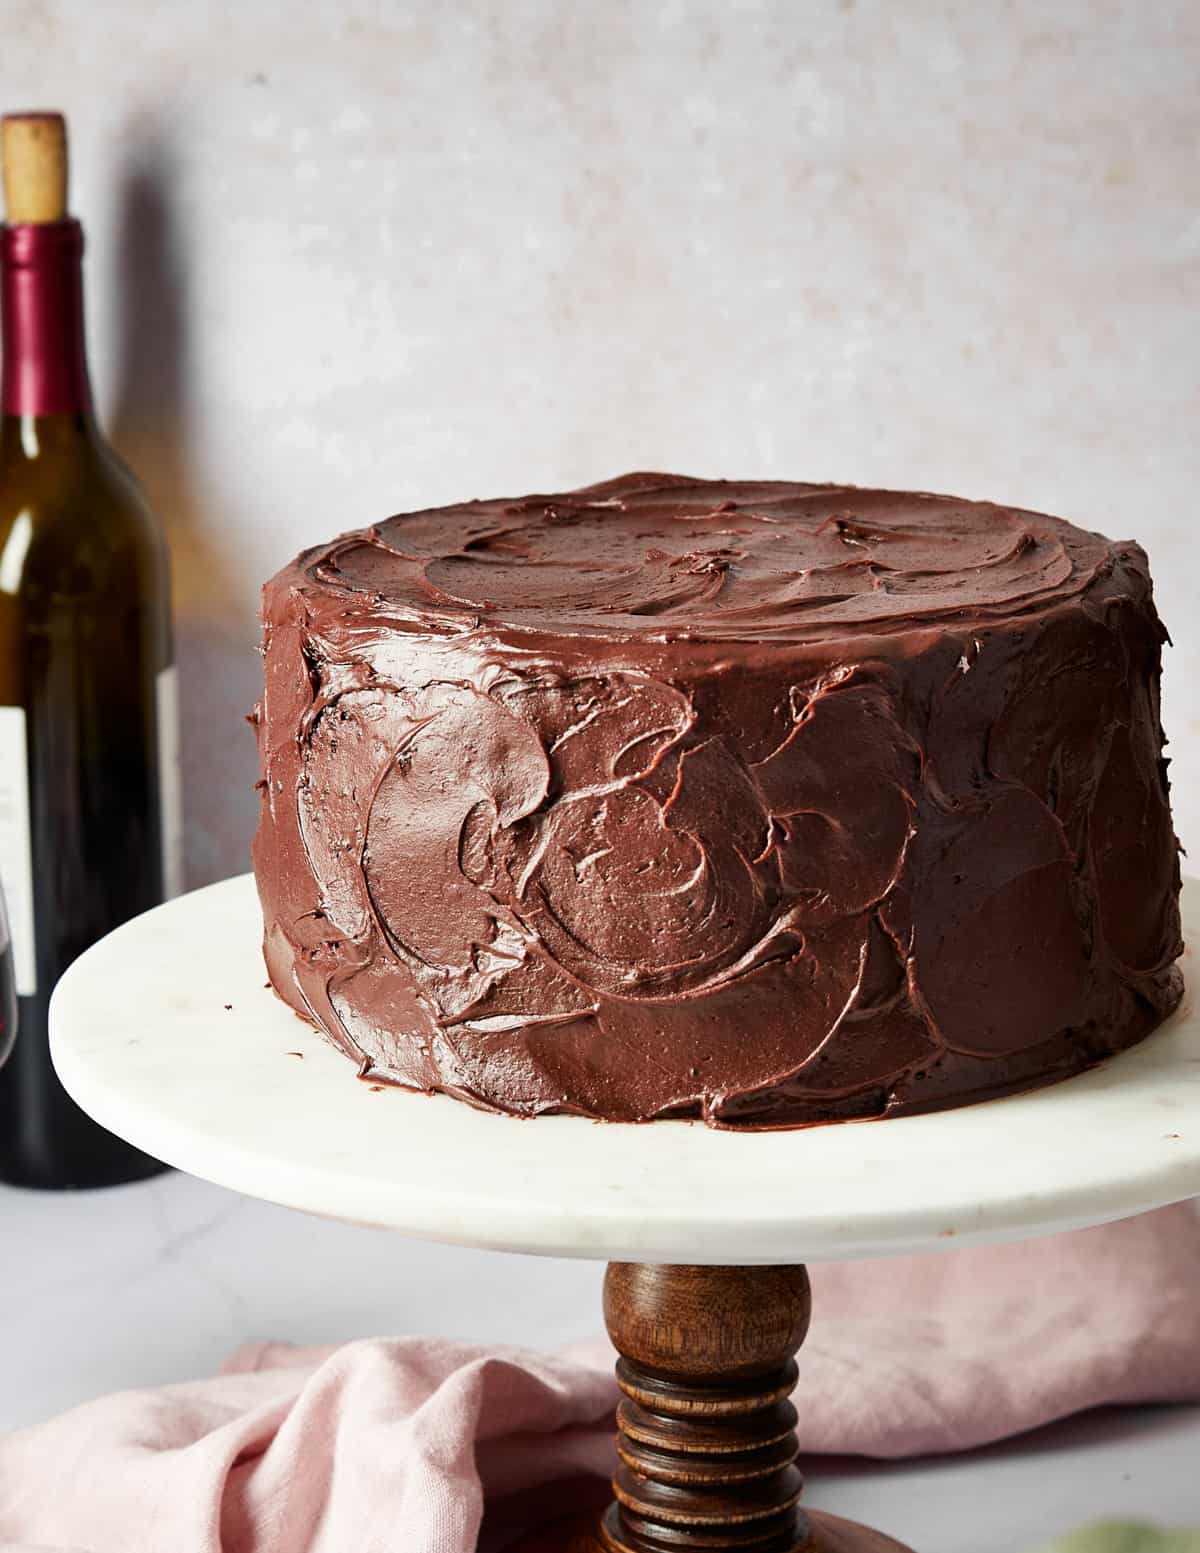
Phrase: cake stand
(166, 1033)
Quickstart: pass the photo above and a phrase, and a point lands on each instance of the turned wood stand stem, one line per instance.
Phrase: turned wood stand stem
(706, 1434)
(706, 1430)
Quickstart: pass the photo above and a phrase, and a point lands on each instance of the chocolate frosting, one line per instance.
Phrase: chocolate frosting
(761, 802)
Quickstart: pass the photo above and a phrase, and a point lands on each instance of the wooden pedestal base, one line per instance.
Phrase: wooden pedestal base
(826, 1534)
(706, 1430)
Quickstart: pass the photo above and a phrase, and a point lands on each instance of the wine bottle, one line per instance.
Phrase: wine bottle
(89, 808)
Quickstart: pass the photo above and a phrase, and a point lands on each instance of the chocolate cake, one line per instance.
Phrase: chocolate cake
(764, 803)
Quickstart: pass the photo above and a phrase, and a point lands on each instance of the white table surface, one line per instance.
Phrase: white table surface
(159, 1281)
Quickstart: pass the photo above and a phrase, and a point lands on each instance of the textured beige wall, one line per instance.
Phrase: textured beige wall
(350, 257)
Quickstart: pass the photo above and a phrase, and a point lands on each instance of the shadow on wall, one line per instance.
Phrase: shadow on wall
(151, 427)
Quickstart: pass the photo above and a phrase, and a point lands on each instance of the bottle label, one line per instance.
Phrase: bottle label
(170, 784)
(16, 856)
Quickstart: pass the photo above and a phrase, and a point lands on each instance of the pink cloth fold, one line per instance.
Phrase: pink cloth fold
(400, 1443)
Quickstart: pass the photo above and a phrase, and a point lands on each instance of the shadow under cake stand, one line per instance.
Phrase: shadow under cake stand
(706, 1298)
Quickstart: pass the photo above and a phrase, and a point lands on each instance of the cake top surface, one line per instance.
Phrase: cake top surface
(664, 556)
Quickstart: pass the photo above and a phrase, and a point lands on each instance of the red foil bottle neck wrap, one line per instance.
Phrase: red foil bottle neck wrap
(41, 296)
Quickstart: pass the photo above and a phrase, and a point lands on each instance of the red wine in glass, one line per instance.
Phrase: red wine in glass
(8, 987)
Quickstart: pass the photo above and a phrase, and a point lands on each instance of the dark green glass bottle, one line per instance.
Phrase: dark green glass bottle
(89, 818)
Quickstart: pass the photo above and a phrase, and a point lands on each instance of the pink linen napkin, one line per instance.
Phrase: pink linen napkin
(399, 1443)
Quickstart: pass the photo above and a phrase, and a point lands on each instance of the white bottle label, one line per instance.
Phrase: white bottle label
(170, 782)
(16, 857)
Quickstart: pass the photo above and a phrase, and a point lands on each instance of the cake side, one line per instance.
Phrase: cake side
(769, 804)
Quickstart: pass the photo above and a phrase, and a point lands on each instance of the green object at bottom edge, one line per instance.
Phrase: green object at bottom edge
(1125, 1537)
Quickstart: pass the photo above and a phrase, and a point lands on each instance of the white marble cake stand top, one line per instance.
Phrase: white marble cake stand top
(190, 1057)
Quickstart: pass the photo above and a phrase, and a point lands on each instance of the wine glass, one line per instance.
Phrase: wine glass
(8, 986)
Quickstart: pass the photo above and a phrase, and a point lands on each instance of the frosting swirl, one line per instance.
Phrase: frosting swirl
(654, 555)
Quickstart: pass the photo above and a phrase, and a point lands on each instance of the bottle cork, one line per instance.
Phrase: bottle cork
(33, 150)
